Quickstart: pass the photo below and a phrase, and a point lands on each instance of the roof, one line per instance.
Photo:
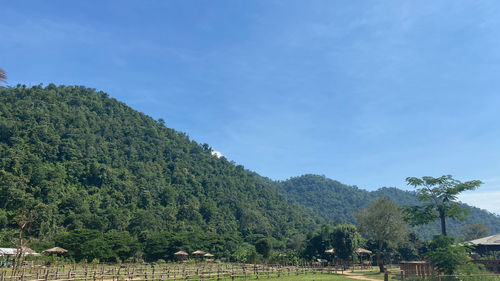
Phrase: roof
(198, 252)
(8, 251)
(180, 253)
(13, 251)
(493, 240)
(56, 250)
(208, 255)
(364, 251)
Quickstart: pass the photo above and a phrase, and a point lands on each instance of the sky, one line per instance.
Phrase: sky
(363, 92)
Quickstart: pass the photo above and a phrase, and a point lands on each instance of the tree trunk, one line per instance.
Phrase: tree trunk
(443, 224)
(380, 263)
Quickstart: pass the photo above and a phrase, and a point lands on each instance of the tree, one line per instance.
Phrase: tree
(445, 255)
(439, 197)
(475, 231)
(384, 223)
(263, 247)
(3, 76)
(345, 241)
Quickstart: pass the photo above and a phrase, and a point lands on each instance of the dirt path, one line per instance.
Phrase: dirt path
(358, 276)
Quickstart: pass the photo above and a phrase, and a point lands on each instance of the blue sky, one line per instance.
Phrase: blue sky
(364, 92)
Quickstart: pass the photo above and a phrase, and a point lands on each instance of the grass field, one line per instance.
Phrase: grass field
(374, 274)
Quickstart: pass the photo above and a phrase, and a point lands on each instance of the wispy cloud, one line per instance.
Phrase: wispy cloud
(489, 200)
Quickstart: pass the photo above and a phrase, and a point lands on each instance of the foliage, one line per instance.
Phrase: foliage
(337, 203)
(445, 255)
(263, 247)
(87, 244)
(475, 231)
(3, 76)
(317, 242)
(83, 160)
(383, 222)
(471, 268)
(439, 197)
(345, 241)
(245, 253)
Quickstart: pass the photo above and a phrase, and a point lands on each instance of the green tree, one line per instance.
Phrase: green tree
(439, 197)
(446, 256)
(345, 241)
(475, 231)
(384, 223)
(263, 247)
(3, 76)
(245, 253)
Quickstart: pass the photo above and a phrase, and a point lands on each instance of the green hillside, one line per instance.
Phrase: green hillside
(84, 171)
(337, 203)
(82, 160)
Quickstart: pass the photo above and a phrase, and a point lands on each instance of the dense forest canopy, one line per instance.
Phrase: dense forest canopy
(337, 203)
(86, 161)
(112, 183)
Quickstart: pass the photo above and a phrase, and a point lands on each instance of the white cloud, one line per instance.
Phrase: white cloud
(217, 153)
(489, 200)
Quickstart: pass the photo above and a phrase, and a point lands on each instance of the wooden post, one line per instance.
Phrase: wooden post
(386, 276)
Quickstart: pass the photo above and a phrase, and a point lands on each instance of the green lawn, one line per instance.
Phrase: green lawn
(374, 273)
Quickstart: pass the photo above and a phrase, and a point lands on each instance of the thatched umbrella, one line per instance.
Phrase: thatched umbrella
(181, 255)
(364, 251)
(56, 250)
(208, 255)
(27, 251)
(198, 253)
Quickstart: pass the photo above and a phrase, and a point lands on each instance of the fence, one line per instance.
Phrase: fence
(202, 272)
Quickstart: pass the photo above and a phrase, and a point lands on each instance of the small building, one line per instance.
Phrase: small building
(488, 246)
(10, 252)
(420, 269)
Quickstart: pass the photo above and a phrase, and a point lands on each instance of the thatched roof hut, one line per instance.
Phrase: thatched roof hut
(199, 253)
(364, 251)
(181, 253)
(208, 255)
(56, 250)
(330, 251)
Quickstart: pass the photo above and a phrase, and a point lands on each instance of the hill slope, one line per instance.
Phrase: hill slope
(83, 160)
(337, 203)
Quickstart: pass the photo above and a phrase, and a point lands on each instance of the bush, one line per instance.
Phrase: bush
(446, 256)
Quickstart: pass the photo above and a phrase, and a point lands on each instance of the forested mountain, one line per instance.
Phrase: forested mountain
(337, 203)
(81, 160)
(87, 172)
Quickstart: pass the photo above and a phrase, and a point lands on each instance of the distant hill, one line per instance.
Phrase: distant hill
(336, 203)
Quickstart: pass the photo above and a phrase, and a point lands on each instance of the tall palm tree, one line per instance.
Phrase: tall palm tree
(3, 76)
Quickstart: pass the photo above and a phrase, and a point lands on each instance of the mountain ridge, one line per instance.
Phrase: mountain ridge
(328, 197)
(83, 160)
